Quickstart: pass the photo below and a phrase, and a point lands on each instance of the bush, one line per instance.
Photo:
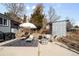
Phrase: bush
(71, 43)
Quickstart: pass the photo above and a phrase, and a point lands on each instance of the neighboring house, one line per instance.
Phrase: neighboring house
(7, 24)
(60, 28)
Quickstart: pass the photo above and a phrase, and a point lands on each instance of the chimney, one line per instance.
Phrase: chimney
(25, 17)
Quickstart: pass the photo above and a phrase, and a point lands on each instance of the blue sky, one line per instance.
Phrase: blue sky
(64, 10)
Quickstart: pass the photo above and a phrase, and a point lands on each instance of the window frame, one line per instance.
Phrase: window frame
(3, 19)
(6, 21)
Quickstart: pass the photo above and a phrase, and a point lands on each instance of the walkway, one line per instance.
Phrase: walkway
(51, 49)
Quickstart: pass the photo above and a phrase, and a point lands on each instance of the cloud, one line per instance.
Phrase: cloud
(33, 7)
(77, 23)
(30, 7)
(27, 7)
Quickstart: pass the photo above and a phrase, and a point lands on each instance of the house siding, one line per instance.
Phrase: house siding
(5, 28)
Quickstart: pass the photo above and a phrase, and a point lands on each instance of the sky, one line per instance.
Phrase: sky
(64, 10)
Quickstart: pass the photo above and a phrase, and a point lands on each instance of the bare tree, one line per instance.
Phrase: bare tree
(15, 8)
(52, 15)
(71, 20)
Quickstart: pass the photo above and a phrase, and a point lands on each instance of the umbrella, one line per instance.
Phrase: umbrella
(28, 25)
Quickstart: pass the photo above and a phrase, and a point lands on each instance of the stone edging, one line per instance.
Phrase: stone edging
(10, 41)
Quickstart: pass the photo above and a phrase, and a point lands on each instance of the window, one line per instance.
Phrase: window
(5, 22)
(0, 21)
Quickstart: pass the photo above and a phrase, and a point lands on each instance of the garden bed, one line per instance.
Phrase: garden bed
(72, 41)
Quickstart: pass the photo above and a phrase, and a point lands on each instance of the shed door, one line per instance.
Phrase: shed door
(59, 29)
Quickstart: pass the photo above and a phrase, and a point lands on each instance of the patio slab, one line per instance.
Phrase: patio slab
(18, 51)
(50, 49)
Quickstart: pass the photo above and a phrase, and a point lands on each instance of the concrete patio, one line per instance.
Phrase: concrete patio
(50, 49)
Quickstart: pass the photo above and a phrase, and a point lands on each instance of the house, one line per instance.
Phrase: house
(8, 24)
(60, 28)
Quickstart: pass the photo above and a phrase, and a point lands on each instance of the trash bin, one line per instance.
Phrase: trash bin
(1, 36)
(9, 36)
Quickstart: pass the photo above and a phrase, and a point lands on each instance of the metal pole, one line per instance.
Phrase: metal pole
(38, 49)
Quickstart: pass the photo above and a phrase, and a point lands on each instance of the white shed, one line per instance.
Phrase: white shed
(59, 28)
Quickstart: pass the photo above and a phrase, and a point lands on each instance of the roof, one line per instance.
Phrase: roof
(2, 15)
(62, 21)
(59, 21)
(11, 17)
(16, 19)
